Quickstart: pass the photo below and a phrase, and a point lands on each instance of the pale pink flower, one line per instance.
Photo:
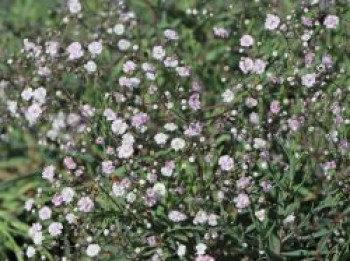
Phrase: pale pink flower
(33, 113)
(45, 213)
(124, 44)
(55, 229)
(246, 65)
(183, 71)
(259, 66)
(75, 51)
(67, 194)
(71, 218)
(125, 151)
(220, 32)
(158, 52)
(95, 48)
(194, 102)
(107, 167)
(129, 67)
(272, 22)
(308, 80)
(48, 173)
(331, 21)
(69, 163)
(226, 163)
(293, 124)
(242, 201)
(275, 107)
(246, 40)
(85, 204)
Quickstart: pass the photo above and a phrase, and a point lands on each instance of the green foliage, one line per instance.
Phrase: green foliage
(299, 189)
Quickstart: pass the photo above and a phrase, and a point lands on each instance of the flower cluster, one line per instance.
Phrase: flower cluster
(171, 152)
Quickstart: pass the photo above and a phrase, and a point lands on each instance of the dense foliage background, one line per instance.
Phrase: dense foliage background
(303, 157)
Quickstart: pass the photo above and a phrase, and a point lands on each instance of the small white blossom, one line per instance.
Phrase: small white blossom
(228, 96)
(93, 250)
(178, 144)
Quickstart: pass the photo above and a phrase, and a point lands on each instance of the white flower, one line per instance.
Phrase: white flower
(90, 66)
(30, 252)
(130, 197)
(124, 45)
(95, 48)
(71, 218)
(170, 126)
(308, 80)
(33, 113)
(51, 48)
(289, 220)
(85, 204)
(213, 220)
(55, 229)
(119, 126)
(200, 218)
(38, 238)
(118, 189)
(260, 214)
(272, 22)
(11, 106)
(93, 250)
(39, 95)
(228, 96)
(183, 71)
(125, 151)
(27, 94)
(161, 138)
(158, 52)
(45, 213)
(171, 34)
(226, 162)
(128, 139)
(201, 248)
(176, 216)
(251, 102)
(74, 6)
(178, 144)
(160, 189)
(119, 29)
(67, 194)
(36, 234)
(44, 71)
(181, 250)
(171, 61)
(259, 143)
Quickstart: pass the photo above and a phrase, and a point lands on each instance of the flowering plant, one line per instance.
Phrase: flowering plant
(216, 134)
